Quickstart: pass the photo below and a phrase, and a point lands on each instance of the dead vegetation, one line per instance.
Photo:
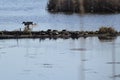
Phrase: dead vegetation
(77, 6)
(107, 30)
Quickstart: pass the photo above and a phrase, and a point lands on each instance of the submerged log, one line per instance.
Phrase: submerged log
(92, 6)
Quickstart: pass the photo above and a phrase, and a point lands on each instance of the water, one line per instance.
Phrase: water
(82, 59)
(14, 12)
(36, 59)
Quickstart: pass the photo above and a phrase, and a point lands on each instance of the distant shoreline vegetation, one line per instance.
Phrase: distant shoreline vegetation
(86, 6)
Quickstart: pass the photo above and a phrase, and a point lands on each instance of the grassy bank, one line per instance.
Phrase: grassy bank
(87, 6)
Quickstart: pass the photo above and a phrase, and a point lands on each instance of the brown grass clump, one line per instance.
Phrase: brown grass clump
(63, 6)
(107, 30)
(93, 6)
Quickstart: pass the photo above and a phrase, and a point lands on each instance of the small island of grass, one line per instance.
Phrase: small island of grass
(87, 6)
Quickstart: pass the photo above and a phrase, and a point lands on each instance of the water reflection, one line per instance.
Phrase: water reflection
(114, 62)
(105, 39)
(83, 59)
(79, 59)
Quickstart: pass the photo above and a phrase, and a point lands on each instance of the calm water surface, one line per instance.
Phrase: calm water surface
(82, 59)
(35, 59)
(14, 12)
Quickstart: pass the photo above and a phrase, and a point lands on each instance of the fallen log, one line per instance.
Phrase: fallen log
(102, 33)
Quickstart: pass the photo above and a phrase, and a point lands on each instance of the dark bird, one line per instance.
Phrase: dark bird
(28, 25)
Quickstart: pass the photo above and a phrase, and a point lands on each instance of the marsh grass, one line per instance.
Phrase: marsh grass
(107, 30)
(92, 6)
